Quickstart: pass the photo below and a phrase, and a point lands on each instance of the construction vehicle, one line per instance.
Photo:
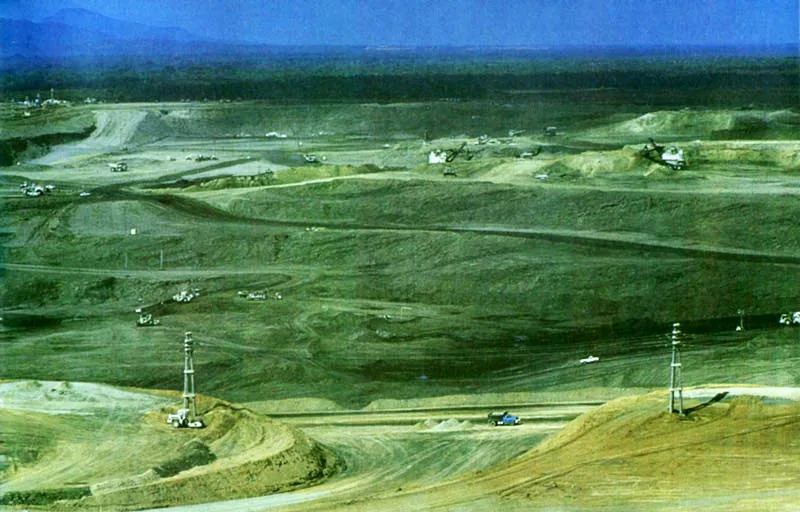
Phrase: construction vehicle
(531, 154)
(201, 157)
(181, 420)
(186, 296)
(439, 156)
(503, 419)
(146, 319)
(187, 417)
(789, 319)
(118, 167)
(449, 171)
(34, 190)
(671, 157)
(550, 131)
(311, 158)
(453, 153)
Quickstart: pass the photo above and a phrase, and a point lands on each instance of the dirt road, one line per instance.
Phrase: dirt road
(385, 452)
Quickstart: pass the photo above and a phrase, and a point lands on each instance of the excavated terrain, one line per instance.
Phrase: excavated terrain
(393, 303)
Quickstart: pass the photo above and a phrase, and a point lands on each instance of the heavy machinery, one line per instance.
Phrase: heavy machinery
(181, 420)
(146, 319)
(311, 158)
(35, 190)
(438, 156)
(453, 153)
(118, 167)
(186, 416)
(186, 296)
(789, 319)
(671, 157)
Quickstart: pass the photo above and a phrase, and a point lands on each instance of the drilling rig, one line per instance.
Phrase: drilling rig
(187, 415)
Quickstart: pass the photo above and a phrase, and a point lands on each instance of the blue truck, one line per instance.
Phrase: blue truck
(503, 419)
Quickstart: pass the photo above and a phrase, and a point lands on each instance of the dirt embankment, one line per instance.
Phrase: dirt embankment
(144, 462)
(240, 454)
(707, 124)
(632, 451)
(24, 149)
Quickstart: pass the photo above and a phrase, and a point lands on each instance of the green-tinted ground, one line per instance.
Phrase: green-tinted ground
(398, 282)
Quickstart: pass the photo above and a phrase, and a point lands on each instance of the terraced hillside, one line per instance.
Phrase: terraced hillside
(336, 266)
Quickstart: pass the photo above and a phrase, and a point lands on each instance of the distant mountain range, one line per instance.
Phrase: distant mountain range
(74, 33)
(88, 20)
(79, 32)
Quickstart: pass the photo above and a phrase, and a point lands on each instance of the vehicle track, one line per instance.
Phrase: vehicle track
(618, 241)
(381, 459)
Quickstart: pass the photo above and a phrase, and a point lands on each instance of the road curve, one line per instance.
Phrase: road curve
(383, 457)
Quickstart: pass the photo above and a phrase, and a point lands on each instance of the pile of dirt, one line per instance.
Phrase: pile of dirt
(632, 452)
(448, 425)
(666, 123)
(54, 397)
(144, 462)
(121, 128)
(240, 454)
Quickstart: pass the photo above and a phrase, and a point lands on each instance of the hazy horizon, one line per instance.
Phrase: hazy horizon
(452, 23)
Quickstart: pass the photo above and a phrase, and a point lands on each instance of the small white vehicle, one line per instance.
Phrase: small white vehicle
(589, 360)
(790, 318)
(181, 420)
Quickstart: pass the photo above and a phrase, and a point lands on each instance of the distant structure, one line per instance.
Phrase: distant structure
(675, 371)
(187, 416)
(740, 327)
(189, 399)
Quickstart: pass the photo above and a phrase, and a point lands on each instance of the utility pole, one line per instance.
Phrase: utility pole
(675, 371)
(161, 260)
(740, 327)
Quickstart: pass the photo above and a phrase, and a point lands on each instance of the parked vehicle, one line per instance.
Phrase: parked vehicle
(503, 419)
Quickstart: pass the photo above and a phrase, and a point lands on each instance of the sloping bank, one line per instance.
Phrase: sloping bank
(240, 454)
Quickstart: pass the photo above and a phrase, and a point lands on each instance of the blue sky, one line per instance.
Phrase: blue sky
(454, 22)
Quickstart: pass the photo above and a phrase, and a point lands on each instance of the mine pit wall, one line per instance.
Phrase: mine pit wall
(303, 464)
(21, 149)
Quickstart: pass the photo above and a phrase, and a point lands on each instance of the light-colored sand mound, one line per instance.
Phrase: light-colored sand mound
(118, 128)
(688, 123)
(53, 397)
(134, 461)
(633, 452)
